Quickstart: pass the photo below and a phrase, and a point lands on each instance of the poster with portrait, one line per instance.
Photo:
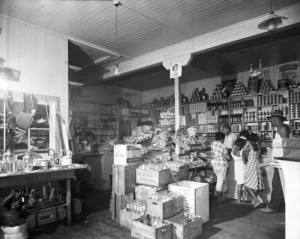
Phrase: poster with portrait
(175, 70)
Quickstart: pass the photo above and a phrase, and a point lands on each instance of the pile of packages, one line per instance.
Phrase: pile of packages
(168, 117)
(141, 135)
(162, 139)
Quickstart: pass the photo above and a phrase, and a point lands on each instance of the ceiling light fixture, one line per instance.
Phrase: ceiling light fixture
(116, 4)
(272, 22)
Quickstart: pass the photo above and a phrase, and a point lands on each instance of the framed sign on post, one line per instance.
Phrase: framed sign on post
(175, 70)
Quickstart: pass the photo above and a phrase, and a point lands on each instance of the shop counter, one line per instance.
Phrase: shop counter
(291, 170)
(101, 168)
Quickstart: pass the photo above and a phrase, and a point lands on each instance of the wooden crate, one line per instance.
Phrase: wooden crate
(190, 230)
(152, 177)
(143, 231)
(119, 202)
(124, 178)
(142, 192)
(182, 174)
(196, 197)
(126, 217)
(166, 209)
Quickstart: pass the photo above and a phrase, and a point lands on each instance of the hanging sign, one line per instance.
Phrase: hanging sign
(175, 70)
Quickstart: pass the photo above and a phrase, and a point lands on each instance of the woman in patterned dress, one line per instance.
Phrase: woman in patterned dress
(253, 177)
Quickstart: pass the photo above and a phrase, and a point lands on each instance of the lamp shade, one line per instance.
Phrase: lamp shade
(272, 22)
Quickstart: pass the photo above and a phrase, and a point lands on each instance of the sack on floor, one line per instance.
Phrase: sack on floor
(18, 232)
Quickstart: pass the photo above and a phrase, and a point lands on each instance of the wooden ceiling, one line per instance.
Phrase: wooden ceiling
(143, 26)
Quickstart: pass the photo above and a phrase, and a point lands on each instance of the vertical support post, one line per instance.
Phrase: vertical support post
(68, 200)
(177, 94)
(4, 123)
(185, 60)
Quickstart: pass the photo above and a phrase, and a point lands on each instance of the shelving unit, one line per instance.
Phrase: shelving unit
(87, 122)
(109, 122)
(256, 109)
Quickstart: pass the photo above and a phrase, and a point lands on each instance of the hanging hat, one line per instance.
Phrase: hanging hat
(277, 113)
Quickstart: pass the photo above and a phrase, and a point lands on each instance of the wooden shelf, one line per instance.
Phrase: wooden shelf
(108, 115)
(242, 97)
(264, 130)
(267, 106)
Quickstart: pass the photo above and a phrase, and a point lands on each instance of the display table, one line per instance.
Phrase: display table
(291, 170)
(42, 176)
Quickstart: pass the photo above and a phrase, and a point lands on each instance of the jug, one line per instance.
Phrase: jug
(52, 157)
(28, 160)
(9, 163)
(1, 161)
(67, 159)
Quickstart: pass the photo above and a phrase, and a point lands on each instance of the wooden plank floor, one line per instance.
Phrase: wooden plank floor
(227, 221)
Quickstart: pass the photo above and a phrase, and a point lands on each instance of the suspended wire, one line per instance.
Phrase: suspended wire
(156, 21)
(116, 25)
(271, 5)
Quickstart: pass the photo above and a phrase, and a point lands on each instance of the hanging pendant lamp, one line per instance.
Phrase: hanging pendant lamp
(272, 22)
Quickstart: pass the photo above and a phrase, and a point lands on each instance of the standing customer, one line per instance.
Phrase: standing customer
(229, 137)
(283, 131)
(253, 177)
(219, 160)
(239, 165)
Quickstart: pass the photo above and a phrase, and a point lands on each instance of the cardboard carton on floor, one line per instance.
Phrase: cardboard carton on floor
(196, 197)
(143, 231)
(182, 230)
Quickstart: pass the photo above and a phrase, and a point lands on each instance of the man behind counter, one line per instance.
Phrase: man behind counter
(229, 137)
(277, 197)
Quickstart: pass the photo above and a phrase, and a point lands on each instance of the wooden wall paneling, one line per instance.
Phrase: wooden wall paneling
(38, 56)
(23, 55)
(10, 46)
(42, 48)
(16, 50)
(26, 58)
